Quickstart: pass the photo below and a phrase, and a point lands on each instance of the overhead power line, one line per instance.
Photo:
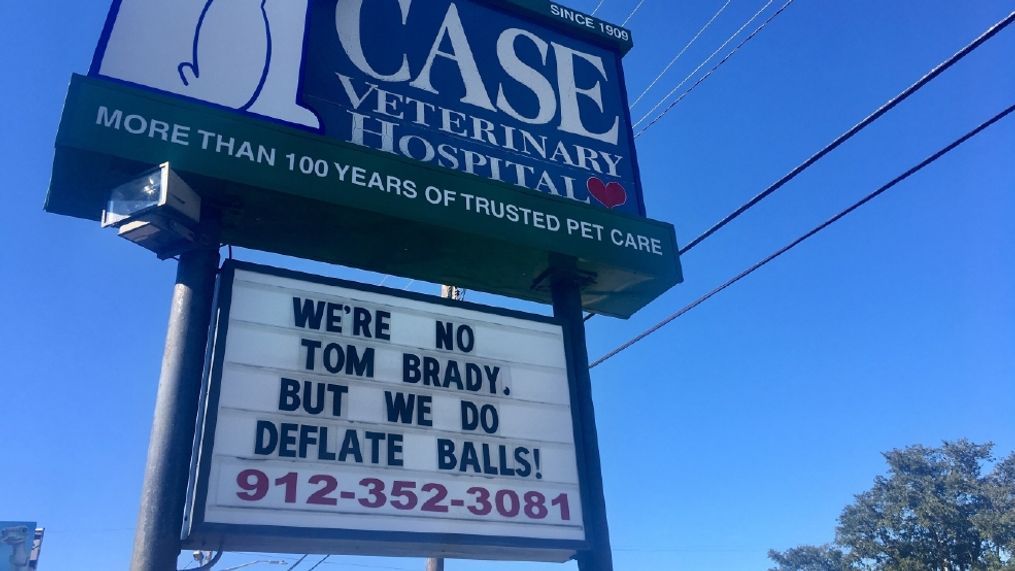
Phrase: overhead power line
(804, 237)
(369, 566)
(316, 565)
(711, 71)
(633, 12)
(681, 52)
(298, 561)
(885, 108)
(880, 111)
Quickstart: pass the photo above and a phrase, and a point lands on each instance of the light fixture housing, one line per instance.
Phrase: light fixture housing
(156, 210)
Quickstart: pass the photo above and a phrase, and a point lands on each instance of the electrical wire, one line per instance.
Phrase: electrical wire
(709, 58)
(366, 566)
(842, 214)
(252, 563)
(681, 52)
(298, 561)
(711, 71)
(633, 12)
(598, 6)
(885, 108)
(880, 111)
(319, 562)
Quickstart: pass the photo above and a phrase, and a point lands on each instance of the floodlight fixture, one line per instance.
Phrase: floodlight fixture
(156, 210)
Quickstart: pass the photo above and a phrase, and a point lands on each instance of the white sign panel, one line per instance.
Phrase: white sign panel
(342, 420)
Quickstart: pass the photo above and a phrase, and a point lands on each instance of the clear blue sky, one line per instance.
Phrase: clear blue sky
(745, 425)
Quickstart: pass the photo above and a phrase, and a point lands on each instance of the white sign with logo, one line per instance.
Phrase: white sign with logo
(347, 420)
(468, 85)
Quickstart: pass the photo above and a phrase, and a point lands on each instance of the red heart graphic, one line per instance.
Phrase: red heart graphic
(610, 195)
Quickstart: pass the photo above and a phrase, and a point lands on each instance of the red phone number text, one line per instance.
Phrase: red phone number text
(254, 485)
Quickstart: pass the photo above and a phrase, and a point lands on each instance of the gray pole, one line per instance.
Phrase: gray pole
(447, 292)
(567, 306)
(160, 519)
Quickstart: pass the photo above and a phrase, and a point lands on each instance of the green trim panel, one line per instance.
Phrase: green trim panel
(341, 213)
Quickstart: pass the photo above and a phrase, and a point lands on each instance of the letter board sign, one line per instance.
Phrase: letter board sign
(342, 418)
(499, 129)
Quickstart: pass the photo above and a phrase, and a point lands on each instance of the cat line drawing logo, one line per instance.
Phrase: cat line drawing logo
(240, 54)
(191, 70)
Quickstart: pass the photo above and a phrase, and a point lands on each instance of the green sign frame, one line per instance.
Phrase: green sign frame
(350, 205)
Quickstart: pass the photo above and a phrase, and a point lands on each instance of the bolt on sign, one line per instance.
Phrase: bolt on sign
(471, 142)
(344, 418)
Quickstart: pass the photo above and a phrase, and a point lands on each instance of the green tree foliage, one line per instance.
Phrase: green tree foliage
(935, 510)
(998, 523)
(809, 558)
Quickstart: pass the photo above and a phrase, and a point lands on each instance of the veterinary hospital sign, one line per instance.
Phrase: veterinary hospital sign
(455, 84)
(500, 128)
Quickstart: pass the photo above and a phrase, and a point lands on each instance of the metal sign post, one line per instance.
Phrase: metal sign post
(163, 495)
(454, 293)
(567, 307)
